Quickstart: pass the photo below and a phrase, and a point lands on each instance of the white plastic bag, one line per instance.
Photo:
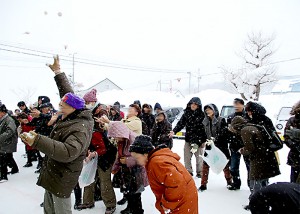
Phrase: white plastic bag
(215, 159)
(88, 172)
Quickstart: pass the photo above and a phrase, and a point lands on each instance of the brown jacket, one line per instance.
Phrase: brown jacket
(65, 149)
(172, 185)
(263, 163)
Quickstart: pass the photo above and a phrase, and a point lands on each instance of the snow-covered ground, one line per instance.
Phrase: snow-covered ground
(21, 195)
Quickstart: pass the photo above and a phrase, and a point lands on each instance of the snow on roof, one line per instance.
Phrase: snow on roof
(283, 86)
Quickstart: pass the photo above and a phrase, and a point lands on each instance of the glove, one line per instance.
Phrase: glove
(29, 138)
(195, 148)
(210, 142)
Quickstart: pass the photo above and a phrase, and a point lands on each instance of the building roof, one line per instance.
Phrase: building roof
(99, 83)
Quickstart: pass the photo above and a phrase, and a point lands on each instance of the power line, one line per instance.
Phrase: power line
(91, 62)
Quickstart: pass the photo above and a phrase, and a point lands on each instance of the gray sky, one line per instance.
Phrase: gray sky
(169, 34)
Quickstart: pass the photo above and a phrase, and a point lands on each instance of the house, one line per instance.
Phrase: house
(104, 85)
(288, 85)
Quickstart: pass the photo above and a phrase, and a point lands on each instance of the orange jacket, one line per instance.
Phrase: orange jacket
(172, 185)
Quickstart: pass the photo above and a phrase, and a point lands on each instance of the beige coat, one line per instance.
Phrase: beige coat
(134, 124)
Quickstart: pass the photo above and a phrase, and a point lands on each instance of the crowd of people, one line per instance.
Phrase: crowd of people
(137, 150)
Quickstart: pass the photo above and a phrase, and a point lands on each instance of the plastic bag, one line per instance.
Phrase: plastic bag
(215, 159)
(88, 172)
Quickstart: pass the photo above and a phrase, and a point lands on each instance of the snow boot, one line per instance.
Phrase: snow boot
(27, 165)
(202, 188)
(110, 210)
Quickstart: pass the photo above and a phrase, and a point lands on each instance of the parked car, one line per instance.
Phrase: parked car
(227, 110)
(172, 113)
(181, 134)
(281, 119)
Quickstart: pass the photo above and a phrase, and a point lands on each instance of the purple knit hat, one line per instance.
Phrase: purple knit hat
(73, 101)
(91, 96)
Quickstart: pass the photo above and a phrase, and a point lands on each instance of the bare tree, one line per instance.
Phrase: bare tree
(255, 70)
(24, 94)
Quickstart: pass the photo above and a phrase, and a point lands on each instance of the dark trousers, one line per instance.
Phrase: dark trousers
(135, 203)
(78, 194)
(295, 172)
(3, 166)
(205, 173)
(235, 168)
(11, 163)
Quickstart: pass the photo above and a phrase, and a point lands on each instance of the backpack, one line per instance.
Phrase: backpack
(274, 142)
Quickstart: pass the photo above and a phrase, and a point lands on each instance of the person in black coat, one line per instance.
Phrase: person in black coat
(195, 135)
(157, 108)
(293, 141)
(148, 117)
(235, 144)
(161, 130)
(278, 198)
(22, 106)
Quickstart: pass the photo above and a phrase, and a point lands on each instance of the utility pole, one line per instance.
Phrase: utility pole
(159, 83)
(199, 77)
(190, 79)
(73, 76)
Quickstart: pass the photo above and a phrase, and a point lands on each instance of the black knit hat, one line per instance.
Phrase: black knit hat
(142, 145)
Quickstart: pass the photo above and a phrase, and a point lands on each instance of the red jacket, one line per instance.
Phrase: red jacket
(27, 128)
(98, 143)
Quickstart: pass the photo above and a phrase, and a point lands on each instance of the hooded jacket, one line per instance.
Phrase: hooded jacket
(263, 162)
(293, 144)
(192, 121)
(157, 106)
(116, 117)
(148, 118)
(160, 132)
(217, 128)
(259, 116)
(65, 149)
(171, 183)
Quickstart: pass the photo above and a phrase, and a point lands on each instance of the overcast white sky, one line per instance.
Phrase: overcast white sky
(169, 34)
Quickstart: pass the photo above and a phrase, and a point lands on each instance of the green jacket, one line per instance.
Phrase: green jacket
(65, 149)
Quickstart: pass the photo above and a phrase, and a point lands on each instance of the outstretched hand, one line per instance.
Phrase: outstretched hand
(55, 67)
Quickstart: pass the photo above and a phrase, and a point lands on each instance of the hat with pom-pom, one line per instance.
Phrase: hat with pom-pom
(91, 96)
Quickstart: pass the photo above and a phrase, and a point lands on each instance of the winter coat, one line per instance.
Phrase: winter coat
(263, 162)
(171, 183)
(133, 177)
(105, 149)
(160, 133)
(280, 197)
(41, 124)
(217, 128)
(65, 149)
(8, 135)
(192, 121)
(235, 140)
(134, 124)
(294, 145)
(27, 128)
(149, 120)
